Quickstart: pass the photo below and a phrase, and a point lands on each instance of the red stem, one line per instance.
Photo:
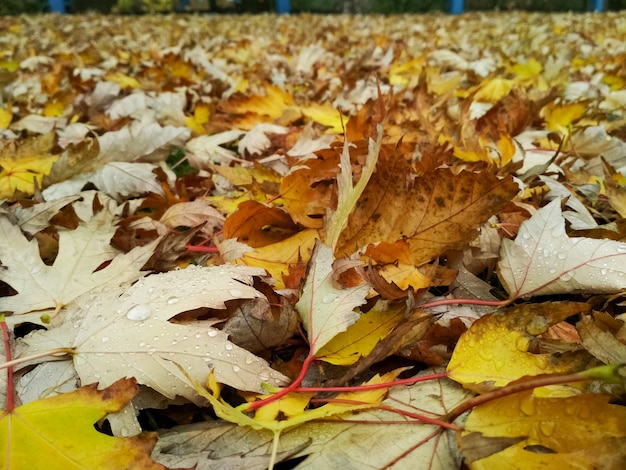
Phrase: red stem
(360, 388)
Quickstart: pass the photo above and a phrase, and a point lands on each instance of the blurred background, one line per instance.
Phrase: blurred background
(16, 7)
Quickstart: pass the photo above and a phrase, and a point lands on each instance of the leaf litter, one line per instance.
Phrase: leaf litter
(358, 205)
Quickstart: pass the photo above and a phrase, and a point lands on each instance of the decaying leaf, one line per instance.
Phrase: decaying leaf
(434, 213)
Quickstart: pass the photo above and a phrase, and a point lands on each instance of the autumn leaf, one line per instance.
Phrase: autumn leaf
(445, 209)
(76, 270)
(129, 331)
(503, 346)
(544, 260)
(37, 435)
(580, 431)
(325, 309)
(21, 167)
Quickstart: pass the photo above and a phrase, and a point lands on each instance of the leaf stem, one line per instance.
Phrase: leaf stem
(53, 352)
(361, 388)
(10, 404)
(492, 303)
(526, 383)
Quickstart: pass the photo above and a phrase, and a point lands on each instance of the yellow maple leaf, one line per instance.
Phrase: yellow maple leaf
(327, 115)
(361, 337)
(580, 431)
(22, 165)
(5, 117)
(494, 90)
(277, 258)
(123, 80)
(39, 436)
(496, 349)
(561, 117)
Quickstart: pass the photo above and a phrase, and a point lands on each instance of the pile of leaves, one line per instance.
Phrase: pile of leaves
(373, 242)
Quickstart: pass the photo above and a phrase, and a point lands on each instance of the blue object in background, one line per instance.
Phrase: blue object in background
(57, 6)
(456, 7)
(596, 5)
(283, 7)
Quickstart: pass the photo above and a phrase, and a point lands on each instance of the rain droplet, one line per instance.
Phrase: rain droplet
(525, 235)
(249, 360)
(105, 339)
(621, 248)
(172, 300)
(139, 312)
(228, 346)
(235, 292)
(330, 298)
(212, 333)
(561, 255)
(527, 405)
(604, 271)
(567, 276)
(142, 344)
(236, 368)
(547, 427)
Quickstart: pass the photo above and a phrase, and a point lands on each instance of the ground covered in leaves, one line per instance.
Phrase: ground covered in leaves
(326, 241)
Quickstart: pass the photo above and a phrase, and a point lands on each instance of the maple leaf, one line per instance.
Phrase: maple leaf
(445, 209)
(129, 331)
(325, 309)
(544, 260)
(370, 438)
(20, 168)
(43, 425)
(550, 432)
(496, 350)
(76, 269)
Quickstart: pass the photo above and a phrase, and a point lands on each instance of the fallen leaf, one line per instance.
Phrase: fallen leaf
(544, 260)
(76, 269)
(129, 331)
(502, 347)
(580, 431)
(42, 425)
(325, 309)
(445, 209)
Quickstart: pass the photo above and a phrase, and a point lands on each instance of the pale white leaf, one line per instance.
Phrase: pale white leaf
(124, 179)
(39, 124)
(326, 310)
(579, 217)
(544, 260)
(256, 140)
(192, 214)
(46, 380)
(81, 252)
(207, 149)
(36, 218)
(127, 332)
(145, 140)
(308, 142)
(231, 249)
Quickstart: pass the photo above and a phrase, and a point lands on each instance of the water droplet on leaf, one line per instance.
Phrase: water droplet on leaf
(139, 312)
